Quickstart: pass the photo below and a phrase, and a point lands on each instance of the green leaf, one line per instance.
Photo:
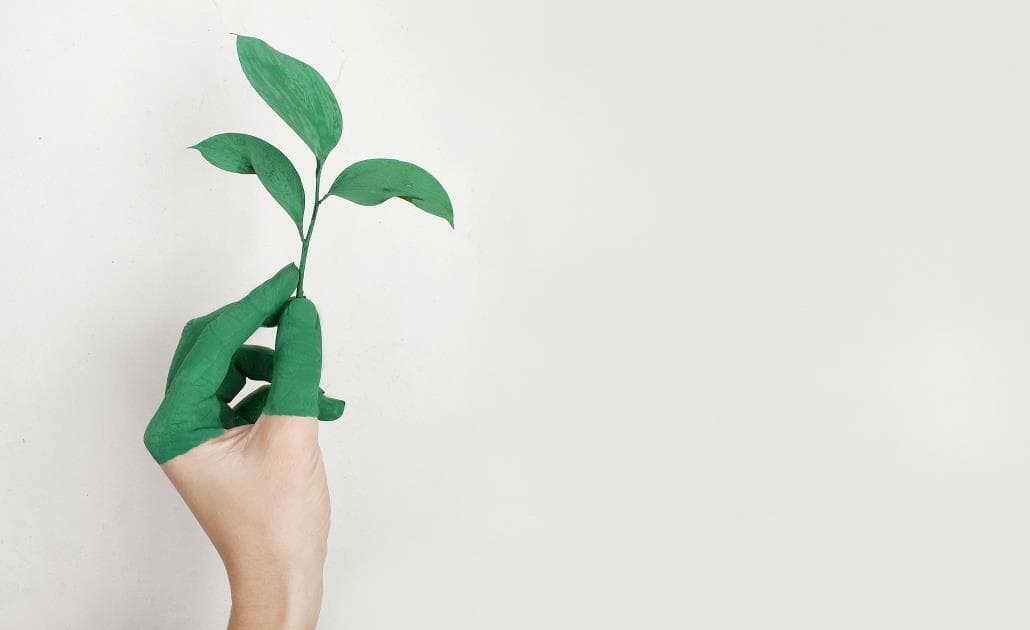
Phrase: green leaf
(295, 91)
(240, 153)
(371, 182)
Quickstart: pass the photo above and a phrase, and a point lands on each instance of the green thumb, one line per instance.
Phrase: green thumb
(297, 366)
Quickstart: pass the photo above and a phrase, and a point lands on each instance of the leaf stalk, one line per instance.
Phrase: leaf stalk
(306, 241)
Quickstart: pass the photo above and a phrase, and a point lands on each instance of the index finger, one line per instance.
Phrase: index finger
(207, 362)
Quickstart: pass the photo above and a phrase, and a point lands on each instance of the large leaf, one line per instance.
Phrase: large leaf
(240, 153)
(295, 91)
(371, 182)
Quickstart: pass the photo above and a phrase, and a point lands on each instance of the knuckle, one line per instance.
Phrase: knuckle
(192, 326)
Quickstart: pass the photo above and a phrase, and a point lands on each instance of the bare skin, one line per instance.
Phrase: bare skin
(259, 491)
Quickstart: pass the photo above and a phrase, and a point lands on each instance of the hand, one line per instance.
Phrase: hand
(253, 475)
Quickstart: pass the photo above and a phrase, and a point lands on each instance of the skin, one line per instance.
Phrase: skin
(253, 474)
(259, 491)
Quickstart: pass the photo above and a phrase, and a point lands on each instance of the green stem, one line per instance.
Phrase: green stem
(306, 242)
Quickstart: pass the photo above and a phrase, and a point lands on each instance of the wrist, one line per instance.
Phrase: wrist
(272, 599)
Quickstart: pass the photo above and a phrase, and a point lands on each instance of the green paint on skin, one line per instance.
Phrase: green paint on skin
(298, 359)
(211, 365)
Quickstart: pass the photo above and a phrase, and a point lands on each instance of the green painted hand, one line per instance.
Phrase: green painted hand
(211, 365)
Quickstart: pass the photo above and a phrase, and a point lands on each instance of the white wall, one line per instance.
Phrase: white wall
(732, 332)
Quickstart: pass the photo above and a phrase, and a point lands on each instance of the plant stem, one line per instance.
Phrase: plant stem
(306, 242)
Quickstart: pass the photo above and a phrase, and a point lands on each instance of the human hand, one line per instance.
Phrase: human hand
(253, 475)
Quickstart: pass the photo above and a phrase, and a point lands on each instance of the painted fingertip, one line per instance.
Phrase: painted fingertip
(330, 408)
(288, 273)
(301, 311)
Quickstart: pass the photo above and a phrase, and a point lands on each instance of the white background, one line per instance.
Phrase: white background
(732, 331)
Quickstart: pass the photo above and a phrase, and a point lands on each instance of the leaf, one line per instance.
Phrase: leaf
(240, 153)
(295, 91)
(371, 182)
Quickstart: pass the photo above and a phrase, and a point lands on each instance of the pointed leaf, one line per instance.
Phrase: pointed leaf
(371, 182)
(240, 153)
(295, 91)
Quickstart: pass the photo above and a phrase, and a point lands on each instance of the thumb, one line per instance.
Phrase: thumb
(297, 367)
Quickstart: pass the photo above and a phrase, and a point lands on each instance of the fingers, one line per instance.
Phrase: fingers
(330, 408)
(249, 409)
(256, 363)
(206, 364)
(249, 362)
(297, 363)
(191, 414)
(190, 333)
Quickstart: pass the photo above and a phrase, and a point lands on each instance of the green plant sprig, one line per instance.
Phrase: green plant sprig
(305, 102)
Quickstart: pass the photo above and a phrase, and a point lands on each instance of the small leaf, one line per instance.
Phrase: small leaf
(240, 153)
(295, 91)
(371, 182)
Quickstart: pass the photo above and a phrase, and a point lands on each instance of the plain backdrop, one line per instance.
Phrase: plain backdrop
(732, 332)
